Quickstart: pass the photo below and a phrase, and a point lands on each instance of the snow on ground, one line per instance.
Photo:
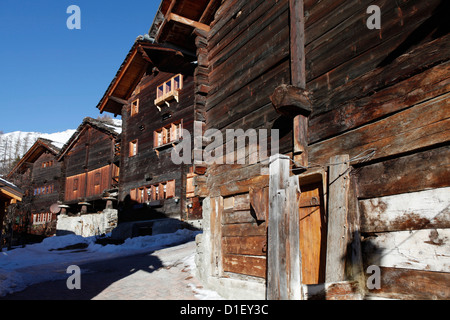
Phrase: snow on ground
(38, 263)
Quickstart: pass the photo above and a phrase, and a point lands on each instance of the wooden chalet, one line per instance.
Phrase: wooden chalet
(364, 115)
(90, 161)
(9, 194)
(153, 91)
(39, 174)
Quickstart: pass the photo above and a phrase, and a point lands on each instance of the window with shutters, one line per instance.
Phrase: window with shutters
(160, 191)
(135, 107)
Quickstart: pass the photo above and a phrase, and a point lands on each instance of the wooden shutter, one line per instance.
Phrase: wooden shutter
(170, 189)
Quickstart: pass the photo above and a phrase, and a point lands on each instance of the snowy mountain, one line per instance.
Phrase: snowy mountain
(14, 145)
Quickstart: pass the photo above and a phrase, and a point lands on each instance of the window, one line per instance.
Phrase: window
(47, 164)
(168, 134)
(161, 191)
(97, 178)
(169, 90)
(75, 185)
(133, 148)
(44, 190)
(42, 218)
(135, 107)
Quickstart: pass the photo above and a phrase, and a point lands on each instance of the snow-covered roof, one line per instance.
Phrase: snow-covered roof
(11, 187)
(59, 139)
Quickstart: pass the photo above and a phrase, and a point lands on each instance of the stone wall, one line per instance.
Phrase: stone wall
(87, 225)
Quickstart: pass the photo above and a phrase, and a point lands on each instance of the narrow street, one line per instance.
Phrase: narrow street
(160, 275)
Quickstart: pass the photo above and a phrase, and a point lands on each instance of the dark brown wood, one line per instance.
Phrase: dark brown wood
(355, 113)
(413, 284)
(291, 101)
(297, 43)
(420, 126)
(259, 200)
(88, 161)
(395, 176)
(381, 93)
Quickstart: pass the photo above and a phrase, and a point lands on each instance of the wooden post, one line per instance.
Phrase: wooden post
(298, 77)
(283, 257)
(216, 234)
(338, 199)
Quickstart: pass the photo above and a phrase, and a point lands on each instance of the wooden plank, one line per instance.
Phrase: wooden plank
(419, 250)
(259, 200)
(338, 193)
(195, 24)
(343, 290)
(412, 284)
(253, 245)
(410, 173)
(408, 211)
(246, 265)
(242, 202)
(293, 258)
(351, 37)
(276, 275)
(216, 233)
(297, 43)
(420, 126)
(233, 217)
(244, 229)
(355, 113)
(226, 112)
(363, 75)
(256, 58)
(284, 257)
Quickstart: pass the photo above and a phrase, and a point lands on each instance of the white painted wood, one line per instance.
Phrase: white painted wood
(420, 250)
(408, 211)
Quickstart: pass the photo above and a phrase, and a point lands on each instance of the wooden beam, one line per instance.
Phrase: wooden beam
(118, 100)
(283, 257)
(338, 191)
(291, 101)
(298, 77)
(186, 21)
(298, 62)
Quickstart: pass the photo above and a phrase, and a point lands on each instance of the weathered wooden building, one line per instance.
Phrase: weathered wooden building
(153, 91)
(90, 164)
(39, 174)
(363, 113)
(9, 195)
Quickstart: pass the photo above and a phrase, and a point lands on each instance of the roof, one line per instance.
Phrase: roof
(109, 126)
(142, 57)
(37, 149)
(9, 190)
(176, 20)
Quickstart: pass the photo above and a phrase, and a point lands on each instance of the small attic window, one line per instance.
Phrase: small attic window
(135, 107)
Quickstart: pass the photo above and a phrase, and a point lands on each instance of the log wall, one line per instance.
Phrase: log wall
(387, 91)
(154, 165)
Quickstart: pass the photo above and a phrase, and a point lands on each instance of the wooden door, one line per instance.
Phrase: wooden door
(313, 233)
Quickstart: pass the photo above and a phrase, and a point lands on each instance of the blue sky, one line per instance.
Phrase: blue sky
(52, 77)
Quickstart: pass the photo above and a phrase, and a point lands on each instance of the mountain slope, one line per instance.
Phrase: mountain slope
(14, 145)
